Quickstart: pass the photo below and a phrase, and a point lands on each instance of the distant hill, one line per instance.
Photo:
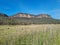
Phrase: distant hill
(3, 15)
(24, 19)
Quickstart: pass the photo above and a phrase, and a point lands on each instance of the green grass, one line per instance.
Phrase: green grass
(47, 34)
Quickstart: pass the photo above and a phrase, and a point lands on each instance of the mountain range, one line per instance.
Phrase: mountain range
(24, 18)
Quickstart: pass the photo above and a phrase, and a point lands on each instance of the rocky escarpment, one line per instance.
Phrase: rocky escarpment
(43, 16)
(25, 15)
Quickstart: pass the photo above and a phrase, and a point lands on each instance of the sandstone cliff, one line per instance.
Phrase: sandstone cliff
(25, 15)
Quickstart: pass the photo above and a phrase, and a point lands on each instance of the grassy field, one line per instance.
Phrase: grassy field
(46, 34)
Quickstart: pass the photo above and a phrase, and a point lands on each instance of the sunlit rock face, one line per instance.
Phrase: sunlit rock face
(22, 15)
(43, 16)
(25, 15)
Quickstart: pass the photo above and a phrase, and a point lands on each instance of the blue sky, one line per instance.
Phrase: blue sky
(51, 7)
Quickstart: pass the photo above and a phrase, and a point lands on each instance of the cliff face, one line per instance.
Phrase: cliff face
(32, 16)
(23, 15)
(43, 16)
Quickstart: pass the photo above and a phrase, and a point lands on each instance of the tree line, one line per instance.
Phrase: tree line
(26, 21)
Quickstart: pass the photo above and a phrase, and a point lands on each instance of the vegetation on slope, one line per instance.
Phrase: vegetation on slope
(5, 20)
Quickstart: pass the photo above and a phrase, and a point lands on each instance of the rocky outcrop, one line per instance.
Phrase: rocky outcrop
(25, 15)
(22, 15)
(43, 16)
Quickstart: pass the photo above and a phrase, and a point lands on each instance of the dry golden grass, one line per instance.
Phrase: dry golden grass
(46, 34)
